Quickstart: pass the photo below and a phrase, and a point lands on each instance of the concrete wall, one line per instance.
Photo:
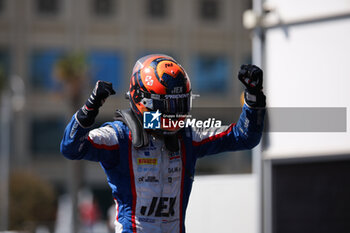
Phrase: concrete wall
(223, 204)
(307, 66)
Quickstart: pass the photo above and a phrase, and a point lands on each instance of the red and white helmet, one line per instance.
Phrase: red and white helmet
(158, 82)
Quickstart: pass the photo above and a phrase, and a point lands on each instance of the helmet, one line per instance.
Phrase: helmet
(158, 82)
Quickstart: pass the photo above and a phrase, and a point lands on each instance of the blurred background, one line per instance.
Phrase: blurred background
(53, 51)
(51, 54)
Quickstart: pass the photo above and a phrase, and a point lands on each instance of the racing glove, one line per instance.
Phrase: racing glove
(87, 114)
(252, 78)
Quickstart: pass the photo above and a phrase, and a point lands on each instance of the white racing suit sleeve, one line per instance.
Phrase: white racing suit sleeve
(100, 145)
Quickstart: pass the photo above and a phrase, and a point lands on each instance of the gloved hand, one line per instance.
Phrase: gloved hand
(87, 114)
(252, 78)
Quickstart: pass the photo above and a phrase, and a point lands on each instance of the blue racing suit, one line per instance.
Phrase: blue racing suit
(151, 186)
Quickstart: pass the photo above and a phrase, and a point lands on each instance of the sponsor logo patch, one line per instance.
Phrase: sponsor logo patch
(147, 161)
(160, 207)
(174, 169)
(149, 179)
(147, 169)
(174, 156)
(74, 129)
(150, 220)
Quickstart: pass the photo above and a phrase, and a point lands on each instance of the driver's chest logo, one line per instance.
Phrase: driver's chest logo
(160, 207)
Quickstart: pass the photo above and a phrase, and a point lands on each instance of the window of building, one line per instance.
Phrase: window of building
(48, 7)
(211, 73)
(107, 66)
(248, 4)
(104, 7)
(209, 9)
(4, 67)
(237, 162)
(1, 6)
(247, 59)
(157, 8)
(42, 63)
(46, 135)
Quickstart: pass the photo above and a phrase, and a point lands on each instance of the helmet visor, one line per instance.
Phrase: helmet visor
(168, 104)
(179, 105)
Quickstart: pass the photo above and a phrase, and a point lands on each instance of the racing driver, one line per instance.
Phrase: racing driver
(150, 171)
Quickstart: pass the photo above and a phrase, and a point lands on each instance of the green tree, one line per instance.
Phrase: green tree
(71, 71)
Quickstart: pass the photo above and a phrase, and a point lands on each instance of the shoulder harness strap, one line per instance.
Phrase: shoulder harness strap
(139, 135)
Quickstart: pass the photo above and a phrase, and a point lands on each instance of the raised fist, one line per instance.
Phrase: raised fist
(100, 93)
(252, 78)
(87, 114)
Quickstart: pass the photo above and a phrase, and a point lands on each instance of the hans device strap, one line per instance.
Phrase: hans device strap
(139, 135)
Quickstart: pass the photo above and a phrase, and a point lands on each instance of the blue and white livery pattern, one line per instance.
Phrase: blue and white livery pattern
(151, 185)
